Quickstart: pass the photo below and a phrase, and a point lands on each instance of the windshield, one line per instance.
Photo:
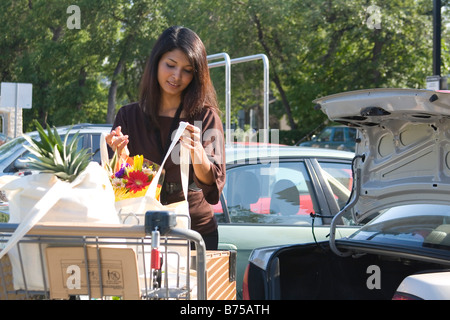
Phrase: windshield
(417, 225)
(10, 147)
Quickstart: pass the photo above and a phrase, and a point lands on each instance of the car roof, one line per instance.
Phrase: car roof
(338, 126)
(236, 153)
(81, 127)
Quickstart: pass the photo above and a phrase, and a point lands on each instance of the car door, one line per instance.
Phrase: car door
(266, 204)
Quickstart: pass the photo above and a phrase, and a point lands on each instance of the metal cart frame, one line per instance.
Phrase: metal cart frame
(98, 236)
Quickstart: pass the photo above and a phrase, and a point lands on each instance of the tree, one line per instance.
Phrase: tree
(315, 48)
(61, 63)
(141, 23)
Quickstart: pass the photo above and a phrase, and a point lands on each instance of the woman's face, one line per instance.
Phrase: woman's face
(175, 72)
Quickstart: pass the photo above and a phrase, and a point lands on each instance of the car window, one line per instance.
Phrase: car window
(352, 134)
(325, 135)
(339, 178)
(96, 147)
(270, 194)
(410, 225)
(338, 134)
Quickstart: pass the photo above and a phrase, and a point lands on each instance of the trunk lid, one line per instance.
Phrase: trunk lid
(402, 152)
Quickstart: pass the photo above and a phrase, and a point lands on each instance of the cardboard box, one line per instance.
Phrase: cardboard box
(68, 269)
(220, 275)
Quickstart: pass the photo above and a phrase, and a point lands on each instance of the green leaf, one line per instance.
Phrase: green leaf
(57, 156)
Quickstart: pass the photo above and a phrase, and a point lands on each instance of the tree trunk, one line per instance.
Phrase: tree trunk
(276, 79)
(111, 113)
(81, 85)
(376, 53)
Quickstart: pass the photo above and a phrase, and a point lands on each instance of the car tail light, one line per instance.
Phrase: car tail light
(245, 292)
(405, 296)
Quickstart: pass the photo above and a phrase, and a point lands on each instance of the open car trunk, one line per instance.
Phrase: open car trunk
(315, 272)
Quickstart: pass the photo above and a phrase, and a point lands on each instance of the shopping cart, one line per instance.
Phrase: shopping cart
(126, 261)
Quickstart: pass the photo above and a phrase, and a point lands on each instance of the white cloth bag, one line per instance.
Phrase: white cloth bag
(45, 198)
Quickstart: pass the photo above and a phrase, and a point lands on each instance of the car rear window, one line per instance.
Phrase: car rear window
(415, 225)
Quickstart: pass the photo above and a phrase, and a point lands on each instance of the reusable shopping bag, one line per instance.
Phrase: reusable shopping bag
(45, 198)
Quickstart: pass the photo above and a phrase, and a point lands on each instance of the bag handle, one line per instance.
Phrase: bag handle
(104, 156)
(184, 163)
(184, 169)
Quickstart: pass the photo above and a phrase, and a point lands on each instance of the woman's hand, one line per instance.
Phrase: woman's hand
(191, 138)
(116, 140)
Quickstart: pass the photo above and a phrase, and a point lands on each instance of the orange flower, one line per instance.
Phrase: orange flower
(137, 180)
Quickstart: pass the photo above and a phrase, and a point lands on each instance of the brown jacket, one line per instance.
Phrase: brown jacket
(143, 141)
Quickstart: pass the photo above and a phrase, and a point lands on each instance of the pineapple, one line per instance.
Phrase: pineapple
(55, 156)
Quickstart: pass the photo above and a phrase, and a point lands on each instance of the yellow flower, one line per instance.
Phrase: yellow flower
(120, 194)
(135, 178)
(138, 162)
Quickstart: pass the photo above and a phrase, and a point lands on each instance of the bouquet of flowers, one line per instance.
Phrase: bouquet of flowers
(131, 177)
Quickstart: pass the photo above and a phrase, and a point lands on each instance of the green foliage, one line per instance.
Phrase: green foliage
(291, 137)
(315, 48)
(4, 217)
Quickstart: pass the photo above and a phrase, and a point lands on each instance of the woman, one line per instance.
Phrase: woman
(176, 86)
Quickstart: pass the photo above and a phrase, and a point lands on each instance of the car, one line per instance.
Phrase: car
(3, 138)
(334, 137)
(401, 182)
(273, 194)
(424, 286)
(278, 195)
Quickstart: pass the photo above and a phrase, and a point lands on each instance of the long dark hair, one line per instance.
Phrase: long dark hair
(199, 94)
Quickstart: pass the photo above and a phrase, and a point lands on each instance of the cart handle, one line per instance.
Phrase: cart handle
(79, 229)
